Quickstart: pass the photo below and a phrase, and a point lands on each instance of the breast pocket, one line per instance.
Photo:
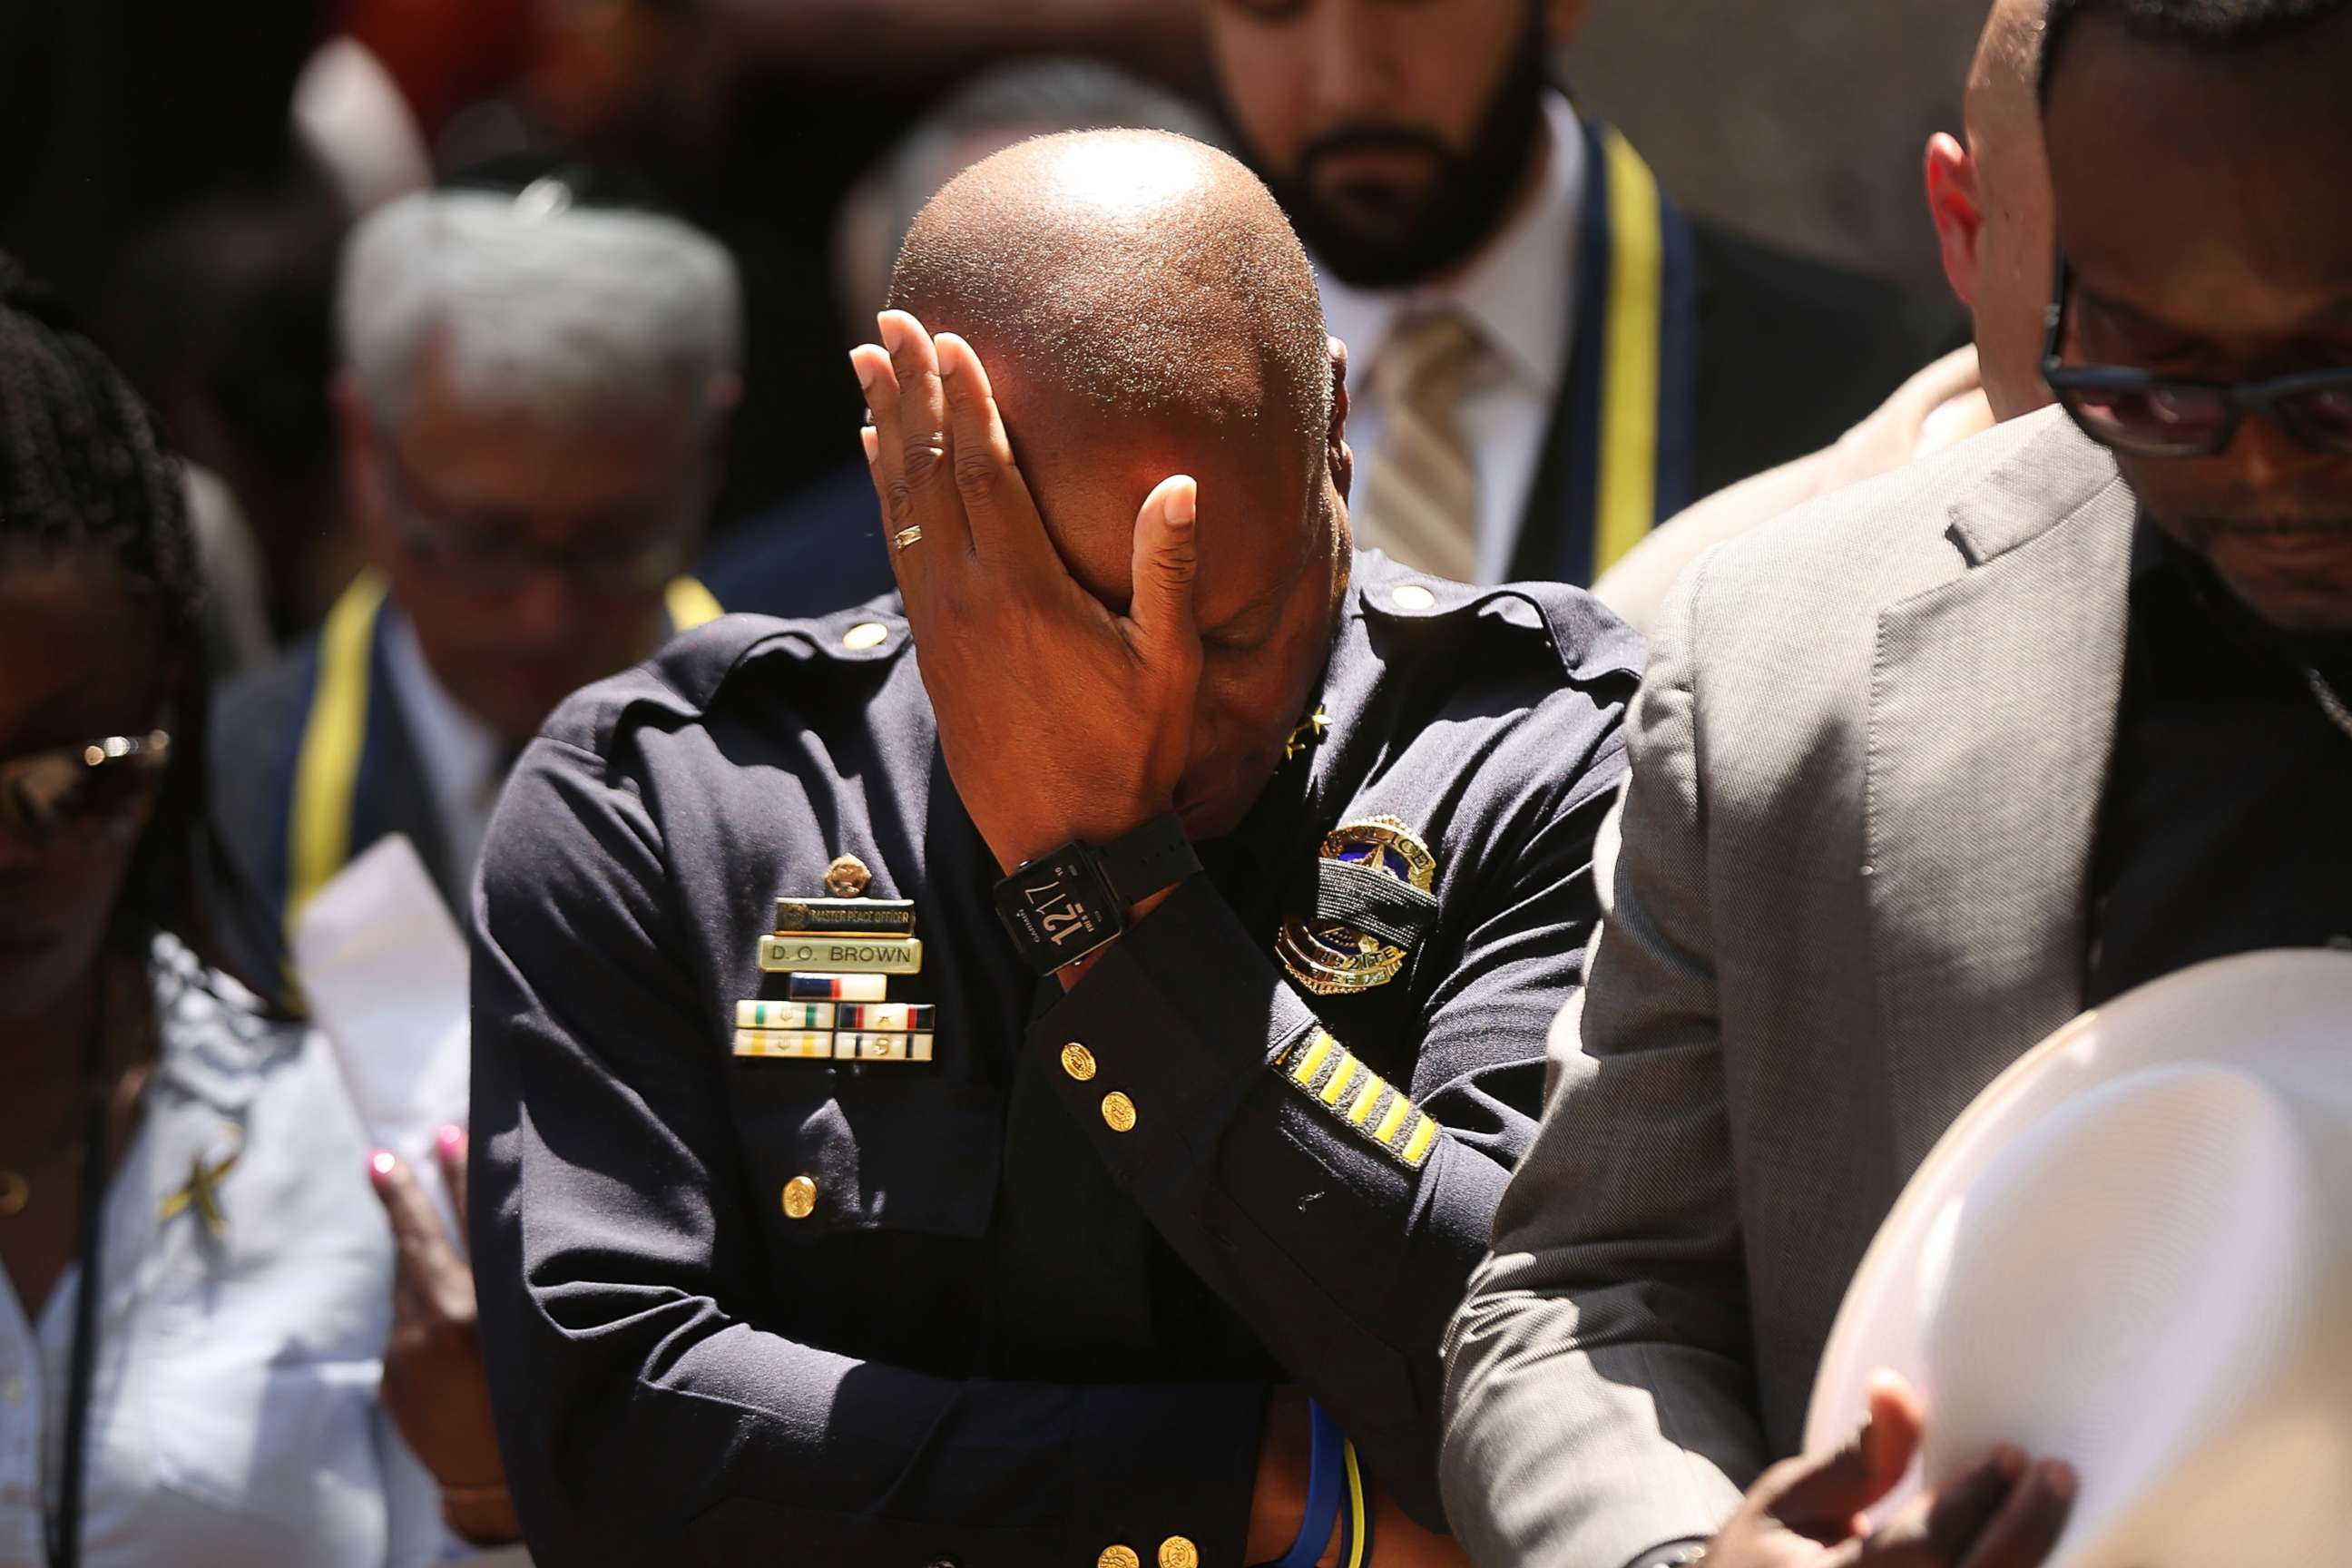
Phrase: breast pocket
(912, 1158)
(875, 1201)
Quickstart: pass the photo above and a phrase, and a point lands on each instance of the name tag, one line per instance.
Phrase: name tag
(871, 917)
(864, 955)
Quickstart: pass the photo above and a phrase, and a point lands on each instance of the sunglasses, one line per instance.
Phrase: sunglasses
(2145, 415)
(45, 794)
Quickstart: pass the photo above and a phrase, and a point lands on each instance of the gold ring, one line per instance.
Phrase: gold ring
(906, 536)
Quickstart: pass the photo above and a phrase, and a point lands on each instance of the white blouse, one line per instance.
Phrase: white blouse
(233, 1419)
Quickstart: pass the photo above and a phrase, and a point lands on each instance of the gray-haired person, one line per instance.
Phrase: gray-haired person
(533, 400)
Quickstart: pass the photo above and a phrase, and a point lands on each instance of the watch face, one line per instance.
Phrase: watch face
(1058, 909)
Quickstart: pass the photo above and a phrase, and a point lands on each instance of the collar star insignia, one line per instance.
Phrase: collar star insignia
(1305, 738)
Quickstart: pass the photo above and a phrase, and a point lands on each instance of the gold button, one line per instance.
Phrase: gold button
(1118, 1557)
(866, 635)
(1078, 1061)
(1120, 1111)
(800, 1197)
(1414, 596)
(1178, 1552)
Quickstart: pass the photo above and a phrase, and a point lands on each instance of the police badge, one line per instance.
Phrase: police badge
(1329, 953)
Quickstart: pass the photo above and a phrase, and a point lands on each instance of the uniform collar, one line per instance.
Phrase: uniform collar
(1516, 289)
(1591, 643)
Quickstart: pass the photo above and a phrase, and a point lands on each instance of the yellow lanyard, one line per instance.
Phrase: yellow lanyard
(327, 768)
(1626, 508)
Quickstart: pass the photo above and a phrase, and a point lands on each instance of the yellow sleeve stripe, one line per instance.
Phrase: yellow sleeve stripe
(1378, 1110)
(1317, 1050)
(1340, 1076)
(1416, 1147)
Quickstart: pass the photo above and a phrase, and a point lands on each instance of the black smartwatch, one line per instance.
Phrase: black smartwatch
(1061, 907)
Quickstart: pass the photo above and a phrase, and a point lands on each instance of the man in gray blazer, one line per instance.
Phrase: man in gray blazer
(1919, 773)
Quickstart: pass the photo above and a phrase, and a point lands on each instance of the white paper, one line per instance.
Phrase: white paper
(383, 969)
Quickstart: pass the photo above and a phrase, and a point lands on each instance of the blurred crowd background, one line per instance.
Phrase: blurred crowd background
(197, 175)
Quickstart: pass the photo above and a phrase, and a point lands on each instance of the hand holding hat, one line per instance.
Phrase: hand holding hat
(2132, 1251)
(1999, 1510)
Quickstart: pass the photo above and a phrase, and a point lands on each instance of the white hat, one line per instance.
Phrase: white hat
(2134, 1253)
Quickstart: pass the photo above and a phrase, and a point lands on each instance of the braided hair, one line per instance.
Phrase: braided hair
(83, 472)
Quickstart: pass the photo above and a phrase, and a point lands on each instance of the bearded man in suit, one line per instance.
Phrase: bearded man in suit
(1920, 773)
(1550, 357)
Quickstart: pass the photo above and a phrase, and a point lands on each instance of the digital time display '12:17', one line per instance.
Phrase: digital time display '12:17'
(1060, 911)
(1058, 908)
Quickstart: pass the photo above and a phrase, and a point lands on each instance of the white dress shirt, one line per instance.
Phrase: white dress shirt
(460, 755)
(1516, 293)
(233, 1416)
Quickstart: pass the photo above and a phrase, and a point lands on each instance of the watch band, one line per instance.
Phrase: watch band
(1138, 863)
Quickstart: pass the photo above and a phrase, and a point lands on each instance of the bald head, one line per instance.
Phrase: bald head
(1991, 199)
(1142, 308)
(2004, 114)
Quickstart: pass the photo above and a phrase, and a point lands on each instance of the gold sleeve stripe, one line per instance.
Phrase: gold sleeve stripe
(1380, 1111)
(1416, 1146)
(1317, 1050)
(1340, 1074)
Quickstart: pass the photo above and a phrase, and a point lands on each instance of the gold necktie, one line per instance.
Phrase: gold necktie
(1417, 496)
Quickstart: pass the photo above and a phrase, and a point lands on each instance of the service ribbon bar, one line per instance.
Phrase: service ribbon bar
(783, 1015)
(800, 1043)
(836, 987)
(899, 1017)
(881, 1047)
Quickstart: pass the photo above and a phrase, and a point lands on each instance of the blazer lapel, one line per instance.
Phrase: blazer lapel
(1993, 716)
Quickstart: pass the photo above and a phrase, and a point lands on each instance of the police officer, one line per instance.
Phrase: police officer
(1019, 1074)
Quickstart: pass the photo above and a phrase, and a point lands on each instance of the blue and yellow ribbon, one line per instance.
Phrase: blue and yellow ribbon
(1633, 370)
(1355, 1517)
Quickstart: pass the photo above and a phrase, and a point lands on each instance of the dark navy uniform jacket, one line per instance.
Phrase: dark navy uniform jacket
(1006, 1334)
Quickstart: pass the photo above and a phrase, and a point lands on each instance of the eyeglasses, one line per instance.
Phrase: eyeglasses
(2146, 415)
(481, 559)
(44, 793)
